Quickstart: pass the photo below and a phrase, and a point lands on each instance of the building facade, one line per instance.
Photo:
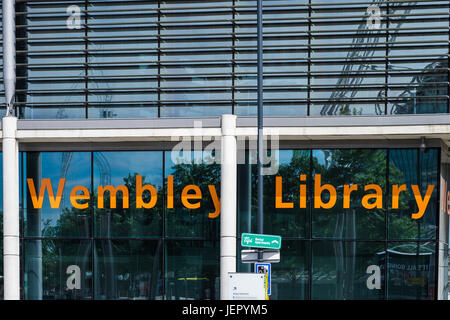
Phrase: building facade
(132, 93)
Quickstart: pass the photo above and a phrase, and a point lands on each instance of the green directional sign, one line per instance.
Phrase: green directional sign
(261, 241)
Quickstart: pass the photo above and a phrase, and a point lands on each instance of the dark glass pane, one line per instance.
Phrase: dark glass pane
(65, 220)
(413, 167)
(192, 270)
(128, 269)
(182, 221)
(411, 271)
(340, 270)
(342, 167)
(123, 168)
(58, 269)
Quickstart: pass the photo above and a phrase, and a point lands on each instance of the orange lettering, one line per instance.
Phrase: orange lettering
(216, 201)
(113, 192)
(38, 201)
(140, 190)
(421, 203)
(395, 192)
(347, 190)
(74, 197)
(378, 196)
(318, 194)
(185, 196)
(279, 195)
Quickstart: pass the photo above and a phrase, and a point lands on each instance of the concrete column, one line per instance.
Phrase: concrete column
(11, 261)
(228, 184)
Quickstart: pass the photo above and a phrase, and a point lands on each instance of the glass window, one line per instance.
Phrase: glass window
(349, 168)
(128, 269)
(290, 277)
(412, 167)
(340, 270)
(411, 270)
(45, 169)
(58, 269)
(289, 222)
(198, 217)
(192, 270)
(136, 171)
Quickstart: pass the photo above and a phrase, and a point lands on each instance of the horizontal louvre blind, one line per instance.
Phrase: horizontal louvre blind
(198, 58)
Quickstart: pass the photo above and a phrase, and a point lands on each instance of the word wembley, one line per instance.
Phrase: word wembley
(191, 195)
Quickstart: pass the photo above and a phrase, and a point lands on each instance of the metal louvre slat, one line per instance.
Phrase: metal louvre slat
(204, 53)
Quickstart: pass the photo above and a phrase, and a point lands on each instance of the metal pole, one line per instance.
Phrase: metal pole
(9, 54)
(228, 184)
(260, 122)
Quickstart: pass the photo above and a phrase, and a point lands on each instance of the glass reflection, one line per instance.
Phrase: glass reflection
(411, 270)
(413, 167)
(61, 271)
(65, 221)
(122, 168)
(290, 222)
(184, 222)
(128, 269)
(346, 167)
(339, 270)
(192, 270)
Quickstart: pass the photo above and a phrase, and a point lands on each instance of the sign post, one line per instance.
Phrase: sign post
(252, 256)
(261, 241)
(265, 268)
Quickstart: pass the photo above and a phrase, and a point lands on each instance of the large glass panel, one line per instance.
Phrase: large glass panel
(412, 167)
(411, 270)
(192, 270)
(58, 269)
(193, 210)
(290, 218)
(344, 169)
(56, 170)
(128, 269)
(340, 270)
(290, 276)
(138, 172)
